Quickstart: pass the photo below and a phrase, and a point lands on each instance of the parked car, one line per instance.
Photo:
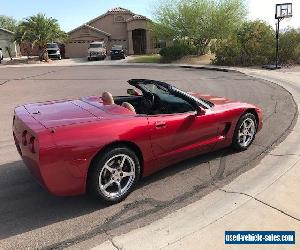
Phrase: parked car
(74, 146)
(97, 50)
(53, 50)
(117, 52)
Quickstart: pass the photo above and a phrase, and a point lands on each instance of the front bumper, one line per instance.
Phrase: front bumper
(54, 55)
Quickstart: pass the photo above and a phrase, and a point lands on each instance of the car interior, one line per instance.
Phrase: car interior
(158, 101)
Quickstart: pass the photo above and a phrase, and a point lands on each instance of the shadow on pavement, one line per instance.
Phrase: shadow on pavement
(25, 205)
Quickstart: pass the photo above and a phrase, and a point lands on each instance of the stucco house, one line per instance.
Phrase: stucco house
(6, 38)
(117, 26)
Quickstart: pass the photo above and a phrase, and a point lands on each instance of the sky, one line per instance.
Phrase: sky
(73, 13)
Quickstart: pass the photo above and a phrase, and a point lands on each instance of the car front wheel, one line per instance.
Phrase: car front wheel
(245, 132)
(114, 174)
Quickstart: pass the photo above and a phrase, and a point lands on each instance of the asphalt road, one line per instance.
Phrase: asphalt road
(31, 218)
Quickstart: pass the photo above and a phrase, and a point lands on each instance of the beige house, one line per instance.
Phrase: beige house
(6, 38)
(117, 26)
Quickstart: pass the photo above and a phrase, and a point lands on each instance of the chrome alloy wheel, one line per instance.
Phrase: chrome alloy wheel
(246, 132)
(117, 176)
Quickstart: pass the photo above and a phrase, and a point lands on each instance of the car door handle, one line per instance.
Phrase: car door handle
(160, 124)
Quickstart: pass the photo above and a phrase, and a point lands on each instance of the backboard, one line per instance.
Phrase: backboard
(283, 10)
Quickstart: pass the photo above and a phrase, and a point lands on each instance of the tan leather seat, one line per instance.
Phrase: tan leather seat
(107, 98)
(128, 106)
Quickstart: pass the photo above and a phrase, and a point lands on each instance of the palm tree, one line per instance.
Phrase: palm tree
(39, 30)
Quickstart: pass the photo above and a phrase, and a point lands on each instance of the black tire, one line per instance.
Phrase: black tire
(236, 143)
(97, 167)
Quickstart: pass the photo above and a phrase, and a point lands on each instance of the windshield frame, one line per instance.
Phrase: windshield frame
(52, 46)
(96, 46)
(117, 47)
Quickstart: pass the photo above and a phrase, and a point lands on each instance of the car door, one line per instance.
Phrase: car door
(175, 137)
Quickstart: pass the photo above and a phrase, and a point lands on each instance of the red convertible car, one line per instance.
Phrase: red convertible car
(74, 146)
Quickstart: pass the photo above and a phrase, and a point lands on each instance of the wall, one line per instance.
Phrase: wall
(5, 41)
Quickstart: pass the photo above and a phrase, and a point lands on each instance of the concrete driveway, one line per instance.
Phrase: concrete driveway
(32, 218)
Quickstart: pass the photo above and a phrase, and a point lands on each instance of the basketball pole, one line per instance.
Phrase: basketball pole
(282, 11)
(277, 43)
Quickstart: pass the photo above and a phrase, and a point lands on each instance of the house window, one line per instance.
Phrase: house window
(119, 19)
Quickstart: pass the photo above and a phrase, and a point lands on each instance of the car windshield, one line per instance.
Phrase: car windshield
(154, 89)
(96, 45)
(165, 91)
(52, 46)
(117, 47)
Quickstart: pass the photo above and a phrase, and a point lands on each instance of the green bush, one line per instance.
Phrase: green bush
(176, 51)
(289, 46)
(227, 51)
(251, 44)
(297, 54)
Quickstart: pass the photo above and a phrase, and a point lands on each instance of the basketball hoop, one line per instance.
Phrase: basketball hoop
(283, 10)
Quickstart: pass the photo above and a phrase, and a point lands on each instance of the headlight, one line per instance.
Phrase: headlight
(58, 52)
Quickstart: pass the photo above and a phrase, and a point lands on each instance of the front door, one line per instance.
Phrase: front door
(176, 137)
(139, 41)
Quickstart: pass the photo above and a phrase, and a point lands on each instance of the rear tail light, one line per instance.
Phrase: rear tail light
(24, 138)
(31, 144)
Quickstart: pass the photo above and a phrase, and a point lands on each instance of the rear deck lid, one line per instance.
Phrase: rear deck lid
(59, 113)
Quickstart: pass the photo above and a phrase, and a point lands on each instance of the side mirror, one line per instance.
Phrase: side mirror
(133, 92)
(200, 111)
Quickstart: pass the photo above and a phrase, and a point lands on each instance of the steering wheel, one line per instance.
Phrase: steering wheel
(148, 99)
(147, 102)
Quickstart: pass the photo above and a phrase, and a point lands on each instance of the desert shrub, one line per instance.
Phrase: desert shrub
(297, 53)
(289, 46)
(177, 51)
(251, 44)
(227, 51)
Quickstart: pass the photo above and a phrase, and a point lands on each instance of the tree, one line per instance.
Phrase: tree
(197, 20)
(8, 23)
(39, 30)
(257, 43)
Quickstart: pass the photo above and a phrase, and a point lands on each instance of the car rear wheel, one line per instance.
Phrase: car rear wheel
(245, 132)
(114, 174)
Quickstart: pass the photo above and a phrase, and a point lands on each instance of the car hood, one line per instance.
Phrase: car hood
(67, 112)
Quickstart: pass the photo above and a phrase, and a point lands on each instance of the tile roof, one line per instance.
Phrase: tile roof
(119, 9)
(8, 31)
(113, 11)
(137, 17)
(89, 27)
